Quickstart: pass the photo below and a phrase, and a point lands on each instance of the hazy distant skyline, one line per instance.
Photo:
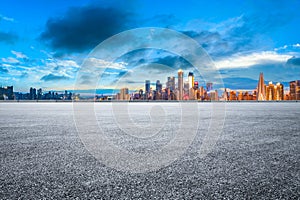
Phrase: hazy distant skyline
(43, 43)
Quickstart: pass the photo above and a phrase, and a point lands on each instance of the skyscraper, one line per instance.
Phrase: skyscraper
(147, 87)
(171, 83)
(209, 86)
(295, 90)
(191, 80)
(186, 86)
(124, 94)
(158, 86)
(32, 93)
(279, 92)
(39, 93)
(270, 92)
(158, 93)
(261, 93)
(180, 84)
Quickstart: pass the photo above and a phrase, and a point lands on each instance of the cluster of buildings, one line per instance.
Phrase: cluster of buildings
(7, 93)
(275, 92)
(38, 94)
(181, 90)
(190, 90)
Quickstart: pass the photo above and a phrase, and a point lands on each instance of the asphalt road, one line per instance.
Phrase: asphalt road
(256, 156)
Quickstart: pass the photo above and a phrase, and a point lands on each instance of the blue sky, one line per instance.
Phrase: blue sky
(43, 43)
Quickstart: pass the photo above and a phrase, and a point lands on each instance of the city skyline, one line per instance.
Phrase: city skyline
(189, 89)
(184, 89)
(241, 38)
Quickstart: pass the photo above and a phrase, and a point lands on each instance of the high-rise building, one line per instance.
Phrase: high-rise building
(240, 95)
(225, 95)
(186, 87)
(209, 87)
(270, 92)
(124, 95)
(201, 92)
(192, 94)
(39, 93)
(298, 90)
(261, 93)
(279, 92)
(295, 90)
(214, 95)
(171, 83)
(32, 93)
(158, 86)
(141, 94)
(191, 80)
(232, 96)
(147, 87)
(180, 84)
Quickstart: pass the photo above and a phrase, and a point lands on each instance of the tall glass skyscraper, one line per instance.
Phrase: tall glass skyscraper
(295, 90)
(171, 83)
(147, 86)
(180, 84)
(261, 93)
(191, 80)
(158, 86)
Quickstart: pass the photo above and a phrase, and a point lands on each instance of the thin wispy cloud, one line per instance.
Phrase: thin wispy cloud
(10, 60)
(9, 19)
(19, 54)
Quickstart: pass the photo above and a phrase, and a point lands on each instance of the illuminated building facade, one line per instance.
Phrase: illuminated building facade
(232, 96)
(183, 91)
(191, 80)
(295, 90)
(270, 92)
(261, 94)
(180, 84)
(214, 95)
(124, 95)
(279, 92)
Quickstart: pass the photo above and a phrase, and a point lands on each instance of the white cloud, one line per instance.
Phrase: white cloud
(9, 19)
(281, 48)
(19, 54)
(288, 47)
(102, 64)
(248, 60)
(6, 65)
(67, 63)
(296, 45)
(10, 60)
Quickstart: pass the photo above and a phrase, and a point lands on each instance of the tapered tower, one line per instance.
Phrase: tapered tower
(261, 93)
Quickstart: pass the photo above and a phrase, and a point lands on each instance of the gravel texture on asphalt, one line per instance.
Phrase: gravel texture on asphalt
(256, 157)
